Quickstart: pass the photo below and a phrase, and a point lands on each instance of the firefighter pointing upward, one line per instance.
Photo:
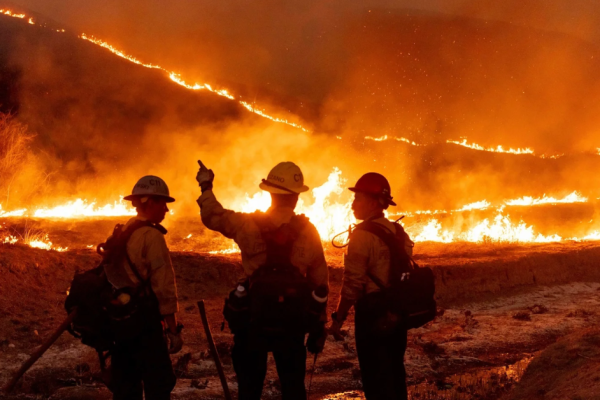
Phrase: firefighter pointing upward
(285, 295)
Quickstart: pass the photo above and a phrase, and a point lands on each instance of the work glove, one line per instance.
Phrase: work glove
(316, 340)
(205, 177)
(175, 341)
(335, 329)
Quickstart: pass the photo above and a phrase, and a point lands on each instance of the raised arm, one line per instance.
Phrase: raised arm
(214, 216)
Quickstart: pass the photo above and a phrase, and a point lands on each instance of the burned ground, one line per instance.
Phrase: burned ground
(477, 331)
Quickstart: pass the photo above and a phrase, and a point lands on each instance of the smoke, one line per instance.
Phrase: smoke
(508, 73)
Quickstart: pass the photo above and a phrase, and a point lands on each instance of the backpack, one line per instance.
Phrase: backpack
(410, 294)
(105, 314)
(279, 294)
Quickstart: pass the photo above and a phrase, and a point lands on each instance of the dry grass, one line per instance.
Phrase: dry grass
(14, 149)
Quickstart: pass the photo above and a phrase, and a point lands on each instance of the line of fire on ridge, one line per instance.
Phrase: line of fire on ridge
(173, 76)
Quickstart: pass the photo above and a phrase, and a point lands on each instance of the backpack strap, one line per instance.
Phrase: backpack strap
(391, 240)
(127, 235)
(119, 244)
(279, 240)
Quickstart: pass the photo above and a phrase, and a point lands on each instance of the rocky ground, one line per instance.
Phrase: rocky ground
(505, 320)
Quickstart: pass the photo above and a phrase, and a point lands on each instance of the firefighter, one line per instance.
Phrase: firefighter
(141, 365)
(254, 234)
(380, 354)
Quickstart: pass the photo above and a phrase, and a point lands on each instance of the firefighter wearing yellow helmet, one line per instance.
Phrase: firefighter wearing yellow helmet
(285, 293)
(140, 358)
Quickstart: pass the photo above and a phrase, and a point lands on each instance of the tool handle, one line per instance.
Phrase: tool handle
(39, 352)
(213, 349)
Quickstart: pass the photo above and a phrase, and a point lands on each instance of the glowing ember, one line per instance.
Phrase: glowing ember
(405, 140)
(234, 249)
(379, 139)
(385, 137)
(36, 241)
(498, 149)
(10, 240)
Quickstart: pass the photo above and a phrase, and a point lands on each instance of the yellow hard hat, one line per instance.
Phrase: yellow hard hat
(150, 185)
(284, 178)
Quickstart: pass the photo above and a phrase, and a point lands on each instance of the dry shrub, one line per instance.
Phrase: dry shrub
(14, 150)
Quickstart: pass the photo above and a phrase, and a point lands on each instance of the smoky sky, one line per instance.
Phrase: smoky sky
(516, 73)
(290, 49)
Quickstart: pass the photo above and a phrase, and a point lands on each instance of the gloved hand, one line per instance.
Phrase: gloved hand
(335, 329)
(316, 340)
(175, 342)
(205, 177)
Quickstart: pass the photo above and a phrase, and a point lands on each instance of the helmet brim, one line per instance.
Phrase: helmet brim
(356, 190)
(167, 199)
(274, 190)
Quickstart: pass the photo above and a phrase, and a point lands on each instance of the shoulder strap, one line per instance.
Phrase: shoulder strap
(124, 239)
(390, 240)
(279, 240)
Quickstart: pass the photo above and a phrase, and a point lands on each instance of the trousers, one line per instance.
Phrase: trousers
(142, 366)
(380, 357)
(249, 356)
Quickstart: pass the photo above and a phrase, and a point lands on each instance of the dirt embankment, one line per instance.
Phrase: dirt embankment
(568, 369)
(488, 272)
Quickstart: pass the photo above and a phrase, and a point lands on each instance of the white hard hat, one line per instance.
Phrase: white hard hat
(150, 185)
(285, 178)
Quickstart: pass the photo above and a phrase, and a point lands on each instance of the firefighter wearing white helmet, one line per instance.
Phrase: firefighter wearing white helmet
(141, 362)
(287, 282)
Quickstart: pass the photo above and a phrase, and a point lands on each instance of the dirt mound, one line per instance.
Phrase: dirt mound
(568, 369)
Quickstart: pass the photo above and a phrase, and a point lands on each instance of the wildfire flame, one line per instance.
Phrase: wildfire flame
(385, 137)
(498, 149)
(75, 209)
(175, 77)
(329, 211)
(530, 201)
(332, 216)
(38, 242)
(14, 15)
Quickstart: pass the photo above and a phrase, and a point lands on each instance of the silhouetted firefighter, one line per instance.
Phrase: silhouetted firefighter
(285, 295)
(389, 292)
(123, 304)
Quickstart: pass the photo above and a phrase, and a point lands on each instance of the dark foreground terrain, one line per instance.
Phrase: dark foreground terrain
(499, 307)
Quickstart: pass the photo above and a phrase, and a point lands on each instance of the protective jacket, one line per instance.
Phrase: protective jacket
(147, 250)
(367, 253)
(307, 252)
